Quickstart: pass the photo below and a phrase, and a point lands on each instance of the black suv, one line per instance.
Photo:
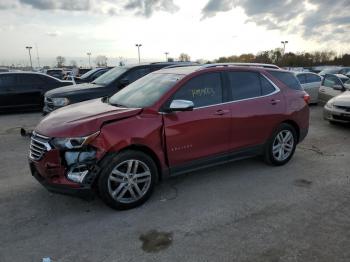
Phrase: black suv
(106, 85)
(25, 90)
(91, 75)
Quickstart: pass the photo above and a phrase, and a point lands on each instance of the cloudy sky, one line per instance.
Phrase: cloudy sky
(205, 29)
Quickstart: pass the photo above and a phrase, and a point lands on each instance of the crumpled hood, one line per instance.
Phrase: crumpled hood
(82, 119)
(71, 88)
(343, 99)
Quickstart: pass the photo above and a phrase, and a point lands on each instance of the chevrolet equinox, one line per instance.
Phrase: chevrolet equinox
(169, 122)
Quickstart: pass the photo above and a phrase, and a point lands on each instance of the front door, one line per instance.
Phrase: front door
(29, 90)
(203, 132)
(327, 90)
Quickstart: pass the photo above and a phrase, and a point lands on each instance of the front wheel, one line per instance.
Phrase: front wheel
(127, 181)
(280, 148)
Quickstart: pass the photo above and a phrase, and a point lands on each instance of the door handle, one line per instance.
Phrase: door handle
(221, 112)
(322, 91)
(275, 101)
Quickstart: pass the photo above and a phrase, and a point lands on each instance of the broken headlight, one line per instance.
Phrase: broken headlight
(73, 142)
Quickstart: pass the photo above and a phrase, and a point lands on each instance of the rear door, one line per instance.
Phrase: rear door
(29, 90)
(203, 132)
(326, 90)
(257, 108)
(8, 91)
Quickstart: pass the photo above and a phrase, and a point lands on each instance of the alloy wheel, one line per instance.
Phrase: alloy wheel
(283, 145)
(129, 181)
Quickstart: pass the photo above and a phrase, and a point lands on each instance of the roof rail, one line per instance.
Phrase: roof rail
(271, 66)
(183, 64)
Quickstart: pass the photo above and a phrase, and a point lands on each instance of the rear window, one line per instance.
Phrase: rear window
(287, 78)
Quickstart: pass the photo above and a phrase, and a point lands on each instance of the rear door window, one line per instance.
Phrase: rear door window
(287, 78)
(311, 78)
(244, 85)
(202, 90)
(30, 81)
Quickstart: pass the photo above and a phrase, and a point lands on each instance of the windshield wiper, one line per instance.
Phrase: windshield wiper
(117, 105)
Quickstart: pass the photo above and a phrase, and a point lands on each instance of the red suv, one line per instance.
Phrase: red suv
(172, 121)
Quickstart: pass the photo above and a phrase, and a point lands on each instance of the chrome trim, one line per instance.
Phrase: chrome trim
(277, 90)
(39, 145)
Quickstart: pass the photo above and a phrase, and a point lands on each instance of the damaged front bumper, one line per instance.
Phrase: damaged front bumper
(70, 172)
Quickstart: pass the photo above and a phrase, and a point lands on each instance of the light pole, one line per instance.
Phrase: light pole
(284, 46)
(37, 55)
(89, 55)
(30, 56)
(138, 49)
(166, 56)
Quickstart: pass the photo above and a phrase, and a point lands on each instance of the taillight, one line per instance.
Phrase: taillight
(306, 98)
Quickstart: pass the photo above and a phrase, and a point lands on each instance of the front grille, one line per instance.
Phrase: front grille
(39, 145)
(345, 108)
(342, 117)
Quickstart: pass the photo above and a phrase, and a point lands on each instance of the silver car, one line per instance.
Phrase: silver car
(332, 85)
(311, 83)
(338, 109)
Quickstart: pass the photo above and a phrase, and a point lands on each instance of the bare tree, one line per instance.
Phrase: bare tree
(101, 60)
(184, 57)
(60, 61)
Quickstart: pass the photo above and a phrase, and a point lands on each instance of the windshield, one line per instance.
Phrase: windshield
(344, 79)
(89, 73)
(110, 76)
(145, 91)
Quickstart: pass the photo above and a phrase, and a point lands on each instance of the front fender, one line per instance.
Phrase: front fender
(142, 130)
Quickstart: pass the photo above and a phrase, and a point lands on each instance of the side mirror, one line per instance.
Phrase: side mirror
(181, 105)
(124, 82)
(338, 87)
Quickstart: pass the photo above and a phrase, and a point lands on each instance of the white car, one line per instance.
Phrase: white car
(311, 83)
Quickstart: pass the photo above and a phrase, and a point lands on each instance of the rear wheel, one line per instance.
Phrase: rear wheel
(127, 181)
(281, 146)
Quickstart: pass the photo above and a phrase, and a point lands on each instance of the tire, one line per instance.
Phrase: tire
(285, 152)
(127, 180)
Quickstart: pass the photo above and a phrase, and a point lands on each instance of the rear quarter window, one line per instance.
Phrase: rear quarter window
(287, 78)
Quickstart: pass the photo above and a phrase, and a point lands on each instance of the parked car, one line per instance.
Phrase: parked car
(2, 70)
(169, 122)
(337, 109)
(105, 85)
(58, 73)
(311, 83)
(332, 85)
(91, 75)
(333, 70)
(25, 90)
(344, 70)
(82, 71)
